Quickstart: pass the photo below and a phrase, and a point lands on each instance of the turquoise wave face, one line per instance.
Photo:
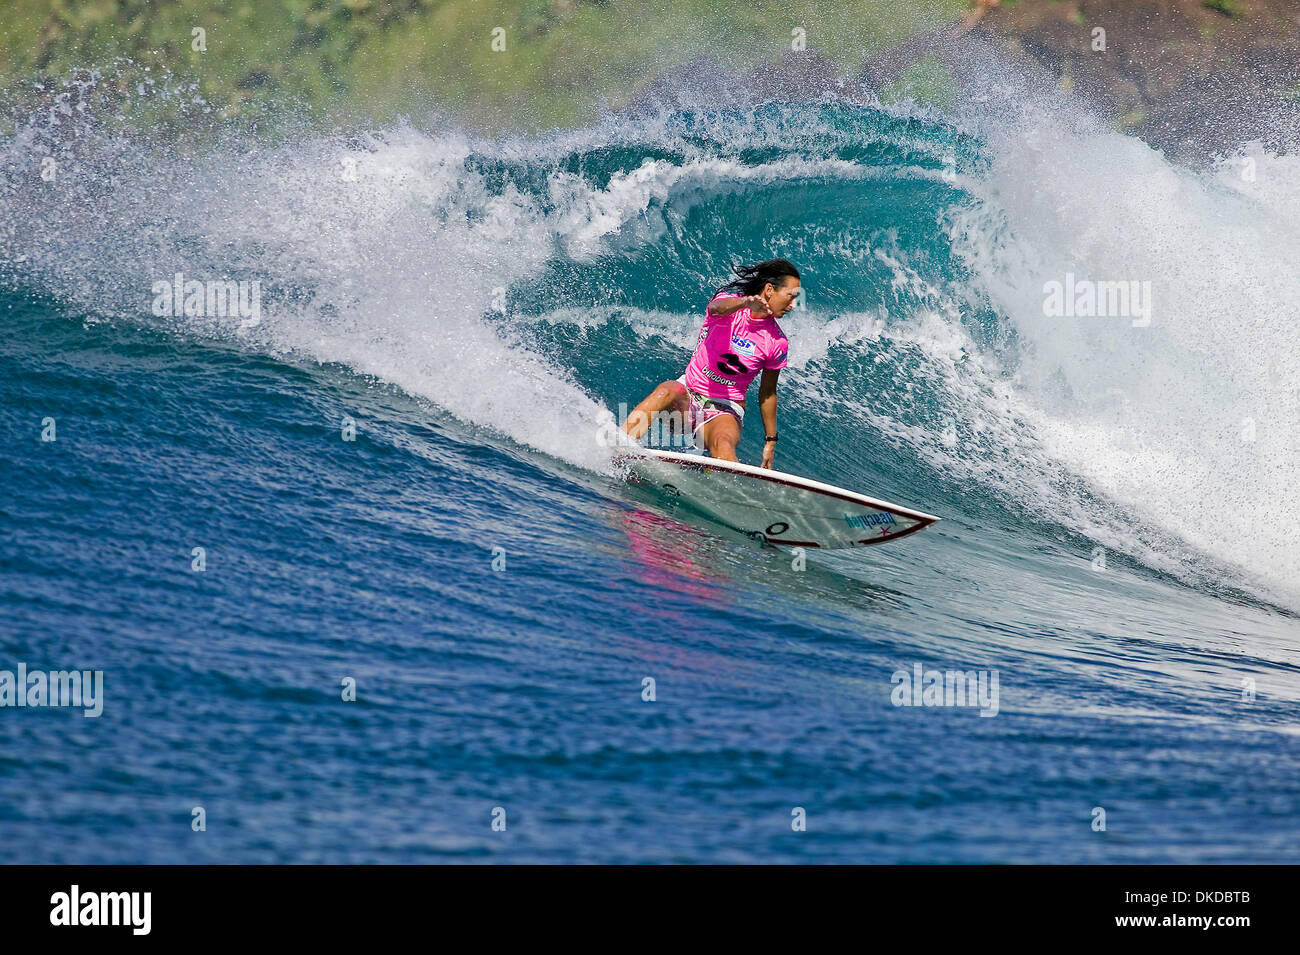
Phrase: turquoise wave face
(393, 478)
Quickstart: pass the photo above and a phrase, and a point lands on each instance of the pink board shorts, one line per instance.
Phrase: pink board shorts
(704, 409)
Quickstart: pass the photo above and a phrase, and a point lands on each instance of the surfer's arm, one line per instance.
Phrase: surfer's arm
(734, 303)
(767, 410)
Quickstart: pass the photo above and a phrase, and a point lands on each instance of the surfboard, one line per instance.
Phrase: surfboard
(773, 506)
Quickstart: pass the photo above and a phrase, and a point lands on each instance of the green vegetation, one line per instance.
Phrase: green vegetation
(925, 81)
(1131, 120)
(377, 59)
(1229, 8)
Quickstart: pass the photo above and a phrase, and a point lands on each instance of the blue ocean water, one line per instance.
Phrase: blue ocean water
(392, 477)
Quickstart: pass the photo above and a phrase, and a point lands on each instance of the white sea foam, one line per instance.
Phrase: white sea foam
(1191, 423)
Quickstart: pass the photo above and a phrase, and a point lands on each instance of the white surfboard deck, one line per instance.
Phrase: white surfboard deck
(777, 507)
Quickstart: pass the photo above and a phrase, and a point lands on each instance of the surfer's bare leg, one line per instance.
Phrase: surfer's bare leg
(720, 436)
(669, 396)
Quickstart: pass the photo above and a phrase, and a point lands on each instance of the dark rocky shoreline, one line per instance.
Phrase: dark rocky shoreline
(1187, 78)
(1194, 78)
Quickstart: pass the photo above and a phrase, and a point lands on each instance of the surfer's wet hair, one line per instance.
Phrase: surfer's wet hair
(750, 279)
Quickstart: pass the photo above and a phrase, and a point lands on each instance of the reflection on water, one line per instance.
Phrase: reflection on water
(669, 553)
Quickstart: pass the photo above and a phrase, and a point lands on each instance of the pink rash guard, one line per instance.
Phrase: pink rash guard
(732, 350)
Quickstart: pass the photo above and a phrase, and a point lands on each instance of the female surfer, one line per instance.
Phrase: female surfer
(739, 338)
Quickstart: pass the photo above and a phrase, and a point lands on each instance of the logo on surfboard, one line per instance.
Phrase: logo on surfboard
(869, 520)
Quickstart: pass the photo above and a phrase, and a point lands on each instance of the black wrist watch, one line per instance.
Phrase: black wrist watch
(770, 437)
